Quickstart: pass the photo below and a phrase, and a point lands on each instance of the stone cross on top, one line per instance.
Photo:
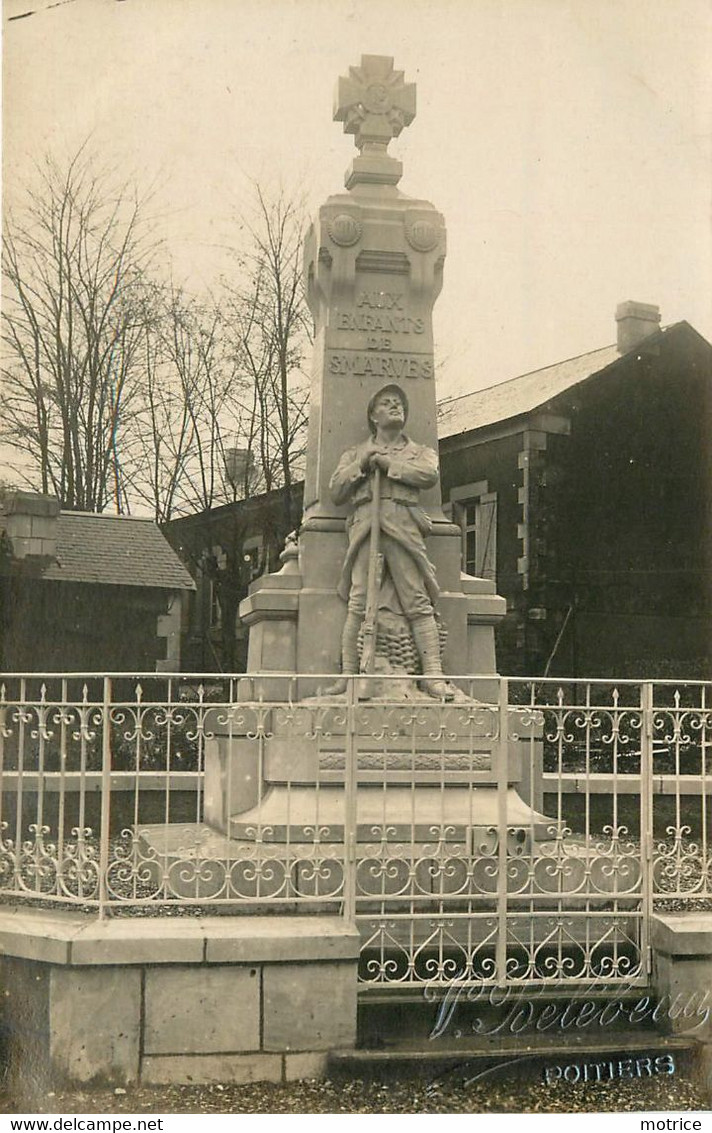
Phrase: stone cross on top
(374, 103)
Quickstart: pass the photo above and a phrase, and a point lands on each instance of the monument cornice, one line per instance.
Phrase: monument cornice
(405, 236)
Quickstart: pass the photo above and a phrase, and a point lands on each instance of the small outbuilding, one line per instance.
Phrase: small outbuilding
(86, 592)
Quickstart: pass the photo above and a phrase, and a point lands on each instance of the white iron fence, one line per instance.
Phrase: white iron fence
(132, 795)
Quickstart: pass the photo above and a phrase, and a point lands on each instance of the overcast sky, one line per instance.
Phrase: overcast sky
(567, 142)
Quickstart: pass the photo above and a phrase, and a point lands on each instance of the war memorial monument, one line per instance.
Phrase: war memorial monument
(373, 584)
(368, 812)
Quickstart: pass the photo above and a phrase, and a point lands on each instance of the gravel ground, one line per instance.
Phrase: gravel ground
(525, 1095)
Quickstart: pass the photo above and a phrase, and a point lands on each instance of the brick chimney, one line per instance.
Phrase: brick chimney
(635, 322)
(30, 522)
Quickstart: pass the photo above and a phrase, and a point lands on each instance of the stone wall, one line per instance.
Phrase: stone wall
(185, 1000)
(682, 973)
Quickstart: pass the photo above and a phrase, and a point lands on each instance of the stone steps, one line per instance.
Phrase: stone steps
(401, 1031)
(388, 1018)
(618, 1054)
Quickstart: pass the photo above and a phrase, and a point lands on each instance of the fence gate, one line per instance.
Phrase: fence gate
(564, 897)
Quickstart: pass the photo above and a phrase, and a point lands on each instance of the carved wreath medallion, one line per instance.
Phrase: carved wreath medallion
(421, 235)
(345, 229)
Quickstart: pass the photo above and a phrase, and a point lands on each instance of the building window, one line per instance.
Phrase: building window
(252, 557)
(215, 611)
(474, 508)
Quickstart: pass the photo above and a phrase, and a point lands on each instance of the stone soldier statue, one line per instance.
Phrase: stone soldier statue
(405, 468)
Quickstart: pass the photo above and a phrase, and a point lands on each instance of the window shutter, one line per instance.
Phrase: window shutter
(487, 537)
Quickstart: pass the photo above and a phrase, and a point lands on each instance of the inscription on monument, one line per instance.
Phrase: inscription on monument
(392, 366)
(368, 321)
(382, 322)
(373, 269)
(380, 300)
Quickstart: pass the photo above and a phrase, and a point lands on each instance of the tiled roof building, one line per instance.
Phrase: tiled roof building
(115, 551)
(86, 592)
(585, 491)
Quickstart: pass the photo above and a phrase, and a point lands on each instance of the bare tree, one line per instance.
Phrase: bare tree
(177, 455)
(225, 407)
(74, 266)
(199, 442)
(272, 334)
(121, 389)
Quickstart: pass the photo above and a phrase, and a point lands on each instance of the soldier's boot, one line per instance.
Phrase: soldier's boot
(427, 640)
(349, 654)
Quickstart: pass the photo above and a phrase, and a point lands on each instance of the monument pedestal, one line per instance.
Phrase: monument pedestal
(296, 617)
(416, 773)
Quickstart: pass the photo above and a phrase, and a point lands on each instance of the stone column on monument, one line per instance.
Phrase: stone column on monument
(373, 263)
(373, 266)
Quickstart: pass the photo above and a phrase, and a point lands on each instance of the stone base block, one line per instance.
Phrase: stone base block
(682, 971)
(205, 1069)
(71, 1024)
(24, 1020)
(308, 1008)
(95, 1023)
(194, 1010)
(682, 976)
(684, 983)
(306, 1065)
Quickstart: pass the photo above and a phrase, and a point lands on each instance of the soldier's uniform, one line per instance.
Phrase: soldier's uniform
(403, 525)
(410, 586)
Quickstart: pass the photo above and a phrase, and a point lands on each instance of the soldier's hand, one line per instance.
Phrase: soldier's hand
(380, 460)
(367, 458)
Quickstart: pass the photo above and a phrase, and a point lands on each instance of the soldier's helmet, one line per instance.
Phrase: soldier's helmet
(391, 388)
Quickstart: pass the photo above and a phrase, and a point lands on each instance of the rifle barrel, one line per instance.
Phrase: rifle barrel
(371, 619)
